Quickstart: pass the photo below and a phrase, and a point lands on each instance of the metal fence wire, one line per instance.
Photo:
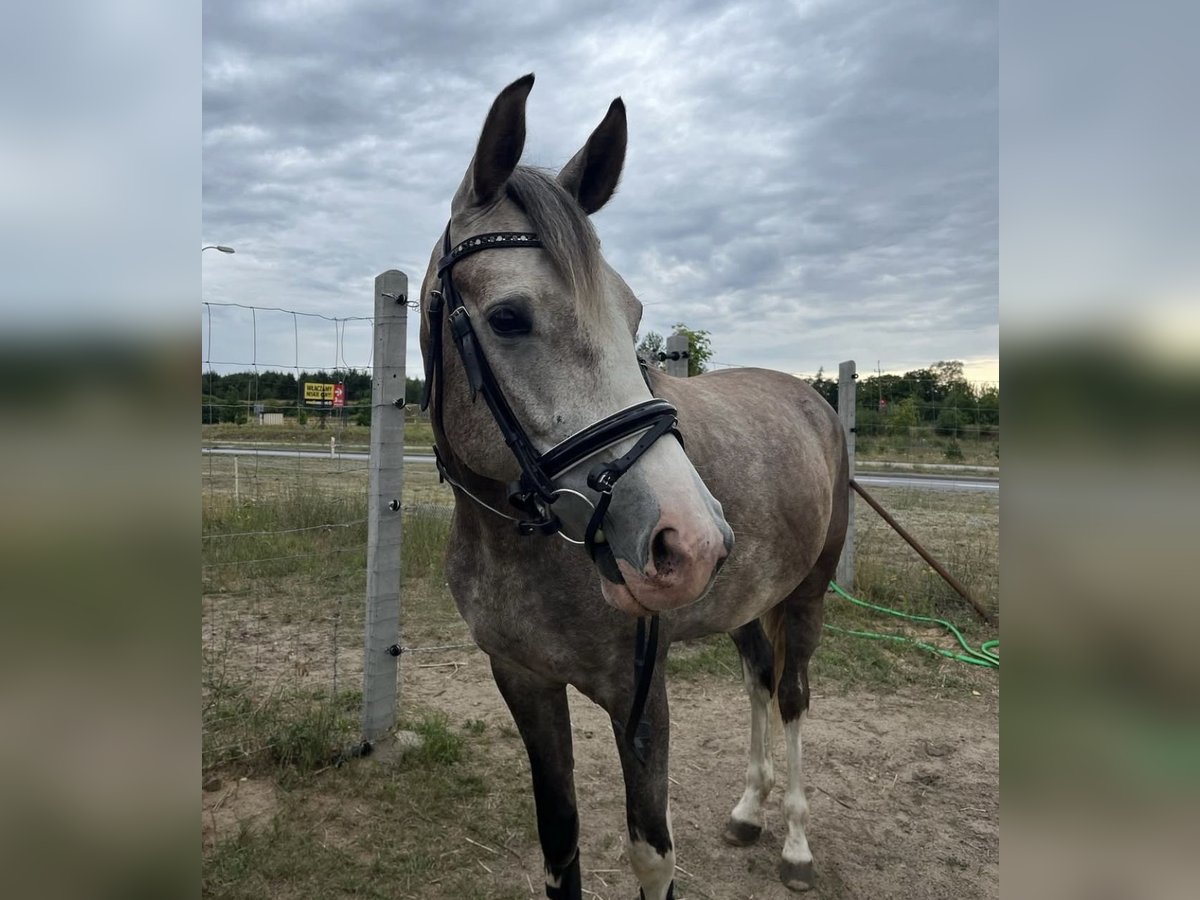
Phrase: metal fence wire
(284, 546)
(284, 543)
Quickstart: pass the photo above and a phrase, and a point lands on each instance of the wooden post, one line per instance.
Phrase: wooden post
(384, 506)
(846, 405)
(676, 349)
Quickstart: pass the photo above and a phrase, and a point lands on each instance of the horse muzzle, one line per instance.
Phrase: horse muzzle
(681, 563)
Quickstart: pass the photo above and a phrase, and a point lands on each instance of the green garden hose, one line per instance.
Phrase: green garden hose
(987, 655)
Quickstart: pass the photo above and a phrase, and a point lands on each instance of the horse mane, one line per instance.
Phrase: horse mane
(566, 233)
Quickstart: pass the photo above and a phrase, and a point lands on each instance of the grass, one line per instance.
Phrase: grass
(283, 581)
(282, 638)
(930, 449)
(712, 656)
(264, 479)
(417, 433)
(960, 529)
(382, 829)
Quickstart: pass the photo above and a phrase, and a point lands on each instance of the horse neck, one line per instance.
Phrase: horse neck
(491, 491)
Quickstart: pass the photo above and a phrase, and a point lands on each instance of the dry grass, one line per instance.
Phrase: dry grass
(417, 433)
(962, 530)
(282, 642)
(925, 447)
(266, 478)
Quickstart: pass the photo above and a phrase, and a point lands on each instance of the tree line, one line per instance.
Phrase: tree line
(938, 397)
(231, 397)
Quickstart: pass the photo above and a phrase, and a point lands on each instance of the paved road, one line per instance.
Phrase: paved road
(892, 479)
(929, 482)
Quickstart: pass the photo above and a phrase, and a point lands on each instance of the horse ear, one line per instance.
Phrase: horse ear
(499, 148)
(592, 174)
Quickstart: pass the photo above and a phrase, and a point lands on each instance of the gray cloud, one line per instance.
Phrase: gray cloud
(810, 183)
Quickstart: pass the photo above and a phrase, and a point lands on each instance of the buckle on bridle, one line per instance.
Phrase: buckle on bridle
(603, 479)
(547, 526)
(460, 321)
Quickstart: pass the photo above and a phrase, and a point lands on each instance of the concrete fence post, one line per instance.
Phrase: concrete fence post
(846, 409)
(676, 348)
(385, 514)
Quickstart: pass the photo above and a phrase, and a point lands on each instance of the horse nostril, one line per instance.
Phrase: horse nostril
(662, 552)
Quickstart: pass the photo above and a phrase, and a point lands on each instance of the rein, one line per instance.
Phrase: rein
(535, 493)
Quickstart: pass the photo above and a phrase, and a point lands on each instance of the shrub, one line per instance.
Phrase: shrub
(951, 422)
(362, 414)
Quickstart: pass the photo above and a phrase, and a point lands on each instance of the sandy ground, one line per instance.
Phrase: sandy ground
(904, 789)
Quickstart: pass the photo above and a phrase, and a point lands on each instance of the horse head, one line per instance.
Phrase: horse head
(545, 328)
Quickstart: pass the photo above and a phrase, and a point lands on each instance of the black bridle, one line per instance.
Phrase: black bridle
(535, 492)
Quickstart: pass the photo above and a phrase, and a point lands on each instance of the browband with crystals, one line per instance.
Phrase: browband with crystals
(486, 242)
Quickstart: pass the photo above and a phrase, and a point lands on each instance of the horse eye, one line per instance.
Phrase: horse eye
(507, 321)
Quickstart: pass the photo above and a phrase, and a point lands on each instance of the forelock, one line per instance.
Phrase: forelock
(566, 233)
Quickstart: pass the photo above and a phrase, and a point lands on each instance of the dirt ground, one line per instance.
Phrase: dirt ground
(903, 789)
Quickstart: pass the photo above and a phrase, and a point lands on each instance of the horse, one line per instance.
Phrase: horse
(647, 478)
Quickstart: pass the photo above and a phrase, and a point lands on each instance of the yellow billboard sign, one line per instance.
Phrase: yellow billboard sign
(315, 392)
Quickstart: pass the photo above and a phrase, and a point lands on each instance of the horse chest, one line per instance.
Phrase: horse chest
(538, 617)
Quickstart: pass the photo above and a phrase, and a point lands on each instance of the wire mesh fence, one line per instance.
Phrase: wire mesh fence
(925, 416)
(284, 536)
(284, 540)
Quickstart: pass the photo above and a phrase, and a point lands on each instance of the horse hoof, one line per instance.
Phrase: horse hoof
(796, 876)
(741, 834)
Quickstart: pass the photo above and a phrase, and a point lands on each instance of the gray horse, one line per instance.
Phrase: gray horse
(765, 459)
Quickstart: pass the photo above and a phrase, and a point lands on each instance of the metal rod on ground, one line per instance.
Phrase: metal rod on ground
(925, 555)
(384, 505)
(847, 403)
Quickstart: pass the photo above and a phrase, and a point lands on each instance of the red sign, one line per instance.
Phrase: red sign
(339, 395)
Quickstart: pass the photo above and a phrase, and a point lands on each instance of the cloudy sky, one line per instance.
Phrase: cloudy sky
(809, 181)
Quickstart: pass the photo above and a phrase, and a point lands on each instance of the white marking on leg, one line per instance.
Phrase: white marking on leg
(795, 803)
(760, 770)
(654, 871)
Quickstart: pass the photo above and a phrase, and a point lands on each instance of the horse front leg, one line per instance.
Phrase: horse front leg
(650, 844)
(540, 710)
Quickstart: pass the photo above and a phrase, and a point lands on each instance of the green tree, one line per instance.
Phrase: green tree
(412, 390)
(949, 372)
(699, 348)
(649, 347)
(951, 421)
(904, 415)
(361, 410)
(826, 387)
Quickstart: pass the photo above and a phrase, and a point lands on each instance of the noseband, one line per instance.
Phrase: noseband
(535, 492)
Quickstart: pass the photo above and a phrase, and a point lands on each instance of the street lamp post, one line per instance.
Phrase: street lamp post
(220, 247)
